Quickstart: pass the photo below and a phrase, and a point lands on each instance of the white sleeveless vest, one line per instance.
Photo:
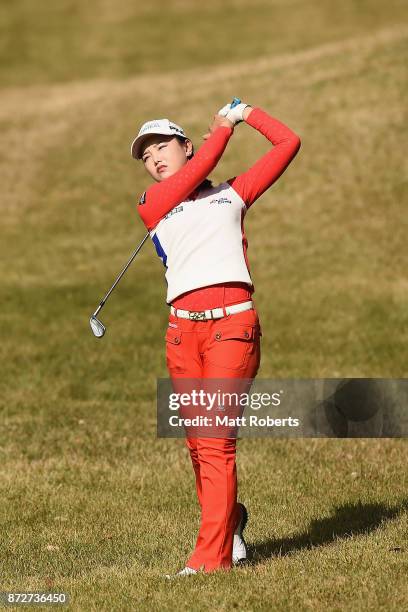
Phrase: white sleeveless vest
(201, 242)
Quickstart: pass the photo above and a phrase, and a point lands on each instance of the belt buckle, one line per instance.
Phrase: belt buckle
(197, 315)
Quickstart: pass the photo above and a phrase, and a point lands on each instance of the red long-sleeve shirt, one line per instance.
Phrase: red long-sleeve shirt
(162, 197)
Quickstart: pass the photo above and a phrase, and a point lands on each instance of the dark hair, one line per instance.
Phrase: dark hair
(181, 140)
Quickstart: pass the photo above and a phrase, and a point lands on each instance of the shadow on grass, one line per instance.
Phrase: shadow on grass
(346, 520)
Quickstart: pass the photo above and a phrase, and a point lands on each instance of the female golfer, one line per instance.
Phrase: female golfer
(213, 330)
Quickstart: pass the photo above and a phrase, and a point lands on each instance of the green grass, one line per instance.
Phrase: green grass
(92, 503)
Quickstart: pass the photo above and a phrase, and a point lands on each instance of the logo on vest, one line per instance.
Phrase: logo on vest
(174, 211)
(221, 201)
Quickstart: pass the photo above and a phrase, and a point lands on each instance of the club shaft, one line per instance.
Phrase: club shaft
(120, 275)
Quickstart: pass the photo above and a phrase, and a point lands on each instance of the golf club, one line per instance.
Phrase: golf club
(98, 328)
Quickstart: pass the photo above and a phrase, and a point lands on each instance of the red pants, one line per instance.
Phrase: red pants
(226, 348)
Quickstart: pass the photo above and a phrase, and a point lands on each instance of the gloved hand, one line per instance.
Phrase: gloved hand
(233, 114)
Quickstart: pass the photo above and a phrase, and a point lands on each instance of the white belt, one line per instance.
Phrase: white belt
(215, 313)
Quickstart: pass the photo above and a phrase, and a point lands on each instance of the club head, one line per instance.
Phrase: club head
(97, 327)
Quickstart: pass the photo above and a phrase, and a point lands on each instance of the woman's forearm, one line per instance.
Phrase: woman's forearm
(247, 111)
(252, 184)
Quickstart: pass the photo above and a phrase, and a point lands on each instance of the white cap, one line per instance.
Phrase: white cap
(157, 126)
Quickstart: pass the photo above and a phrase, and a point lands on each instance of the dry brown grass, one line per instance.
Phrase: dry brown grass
(82, 471)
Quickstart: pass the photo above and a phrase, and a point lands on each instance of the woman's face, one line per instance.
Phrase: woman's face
(162, 155)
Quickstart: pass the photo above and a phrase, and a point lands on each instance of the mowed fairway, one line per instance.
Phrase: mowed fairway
(92, 503)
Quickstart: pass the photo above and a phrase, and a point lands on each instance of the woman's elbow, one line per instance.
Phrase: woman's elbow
(292, 146)
(295, 143)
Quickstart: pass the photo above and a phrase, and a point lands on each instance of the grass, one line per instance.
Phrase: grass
(92, 503)
(47, 42)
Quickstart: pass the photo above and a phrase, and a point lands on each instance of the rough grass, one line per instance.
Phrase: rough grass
(44, 42)
(92, 503)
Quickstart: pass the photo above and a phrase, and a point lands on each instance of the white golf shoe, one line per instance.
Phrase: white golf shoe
(239, 549)
(187, 571)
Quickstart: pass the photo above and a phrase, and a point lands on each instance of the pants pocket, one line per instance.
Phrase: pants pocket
(232, 345)
(174, 351)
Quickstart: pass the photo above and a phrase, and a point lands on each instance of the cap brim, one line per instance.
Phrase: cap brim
(135, 147)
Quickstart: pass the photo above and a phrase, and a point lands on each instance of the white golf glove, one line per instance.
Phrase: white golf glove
(233, 114)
